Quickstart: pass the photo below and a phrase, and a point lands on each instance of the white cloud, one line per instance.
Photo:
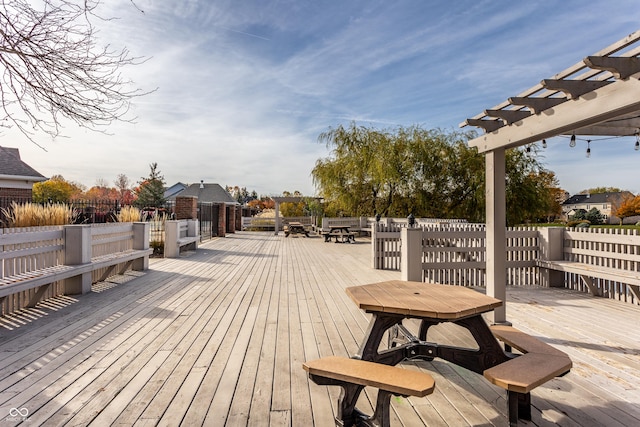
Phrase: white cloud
(244, 88)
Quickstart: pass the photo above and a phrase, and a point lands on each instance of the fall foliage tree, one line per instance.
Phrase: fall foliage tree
(629, 207)
(600, 190)
(289, 209)
(56, 190)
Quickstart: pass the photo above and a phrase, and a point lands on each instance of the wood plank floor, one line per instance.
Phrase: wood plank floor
(218, 336)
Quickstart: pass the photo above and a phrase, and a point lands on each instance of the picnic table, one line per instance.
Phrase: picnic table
(295, 228)
(390, 303)
(393, 301)
(341, 233)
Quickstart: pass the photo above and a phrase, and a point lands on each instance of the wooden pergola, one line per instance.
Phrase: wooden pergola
(286, 199)
(599, 96)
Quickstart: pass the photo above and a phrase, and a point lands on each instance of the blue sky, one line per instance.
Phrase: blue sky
(244, 88)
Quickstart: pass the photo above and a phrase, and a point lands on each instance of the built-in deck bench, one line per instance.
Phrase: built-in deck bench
(589, 271)
(353, 375)
(599, 258)
(40, 263)
(538, 363)
(180, 234)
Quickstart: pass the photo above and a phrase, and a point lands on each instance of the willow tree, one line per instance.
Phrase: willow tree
(429, 173)
(351, 179)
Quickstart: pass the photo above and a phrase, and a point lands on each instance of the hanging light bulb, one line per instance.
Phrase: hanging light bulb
(544, 143)
(588, 148)
(572, 142)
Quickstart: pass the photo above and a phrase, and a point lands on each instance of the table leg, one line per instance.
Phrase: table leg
(373, 337)
(488, 354)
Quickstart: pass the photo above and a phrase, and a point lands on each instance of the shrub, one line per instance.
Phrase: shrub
(578, 223)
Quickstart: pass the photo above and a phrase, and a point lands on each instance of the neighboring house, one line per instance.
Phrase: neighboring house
(172, 191)
(16, 177)
(606, 203)
(204, 192)
(219, 209)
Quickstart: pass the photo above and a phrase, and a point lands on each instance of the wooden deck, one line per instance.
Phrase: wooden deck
(218, 336)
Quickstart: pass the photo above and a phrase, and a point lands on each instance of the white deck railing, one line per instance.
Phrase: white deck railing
(456, 254)
(254, 223)
(26, 251)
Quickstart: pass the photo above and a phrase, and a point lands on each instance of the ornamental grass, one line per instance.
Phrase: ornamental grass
(129, 214)
(35, 215)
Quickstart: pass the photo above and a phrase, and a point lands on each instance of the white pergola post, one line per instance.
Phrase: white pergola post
(496, 233)
(277, 217)
(599, 95)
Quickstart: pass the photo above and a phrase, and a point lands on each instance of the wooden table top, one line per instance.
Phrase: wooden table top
(421, 300)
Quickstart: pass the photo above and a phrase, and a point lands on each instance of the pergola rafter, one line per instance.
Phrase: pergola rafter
(599, 96)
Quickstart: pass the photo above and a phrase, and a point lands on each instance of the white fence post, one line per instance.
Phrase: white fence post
(141, 232)
(411, 257)
(77, 251)
(551, 242)
(171, 236)
(374, 246)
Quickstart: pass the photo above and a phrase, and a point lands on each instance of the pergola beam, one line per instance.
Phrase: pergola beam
(508, 116)
(537, 105)
(487, 125)
(574, 88)
(622, 68)
(609, 102)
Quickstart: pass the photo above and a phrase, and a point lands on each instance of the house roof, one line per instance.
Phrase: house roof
(12, 165)
(598, 198)
(207, 193)
(174, 190)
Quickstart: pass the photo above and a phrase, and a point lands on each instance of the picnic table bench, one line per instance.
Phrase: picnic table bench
(538, 364)
(341, 233)
(353, 375)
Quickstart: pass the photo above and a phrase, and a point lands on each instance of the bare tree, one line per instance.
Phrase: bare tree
(122, 185)
(52, 67)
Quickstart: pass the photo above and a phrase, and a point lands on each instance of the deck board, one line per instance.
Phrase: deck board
(218, 337)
